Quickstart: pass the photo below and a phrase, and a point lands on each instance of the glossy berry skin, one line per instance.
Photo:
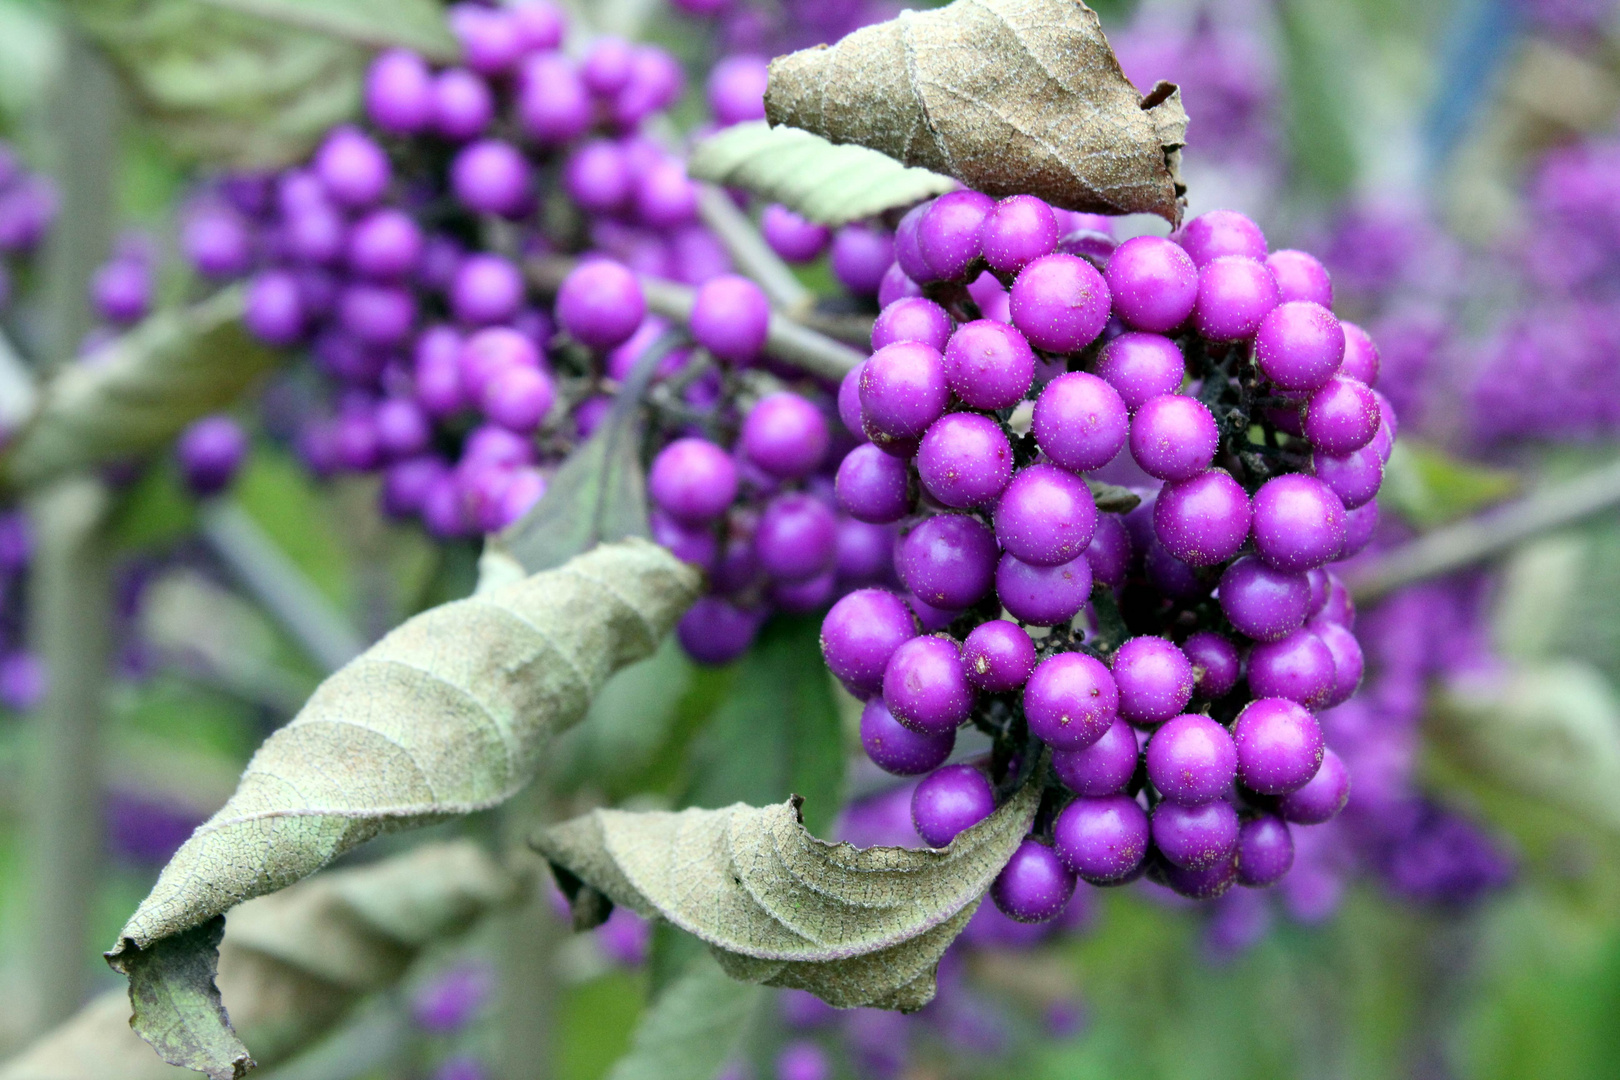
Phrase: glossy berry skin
(873, 487)
(1235, 295)
(925, 687)
(1359, 526)
(1348, 662)
(736, 90)
(1080, 421)
(951, 801)
(491, 177)
(797, 537)
(1017, 231)
(488, 289)
(897, 749)
(1361, 361)
(1342, 417)
(597, 176)
(785, 435)
(1298, 667)
(1060, 303)
(949, 561)
(730, 317)
(1279, 746)
(353, 169)
(1264, 603)
(1141, 367)
(385, 244)
(1215, 663)
(1221, 232)
(692, 480)
(463, 105)
(601, 304)
(1299, 346)
(964, 460)
(1155, 679)
(714, 631)
(1102, 768)
(1043, 595)
(1265, 851)
(948, 233)
(1299, 524)
(1153, 282)
(849, 401)
(791, 236)
(1034, 886)
(989, 365)
(1321, 797)
(1300, 277)
(912, 318)
(1191, 760)
(903, 391)
(486, 353)
(1174, 437)
(1202, 521)
(210, 452)
(998, 656)
(907, 255)
(1207, 884)
(1354, 478)
(1046, 516)
(399, 92)
(1103, 838)
(1070, 701)
(859, 258)
(859, 635)
(1109, 552)
(519, 398)
(1195, 837)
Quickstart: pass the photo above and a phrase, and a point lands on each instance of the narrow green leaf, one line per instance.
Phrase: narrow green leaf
(829, 184)
(693, 1028)
(137, 393)
(1429, 487)
(374, 24)
(178, 1007)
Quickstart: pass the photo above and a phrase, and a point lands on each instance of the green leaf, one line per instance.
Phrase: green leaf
(829, 184)
(171, 987)
(1429, 487)
(137, 393)
(777, 906)
(693, 1028)
(450, 713)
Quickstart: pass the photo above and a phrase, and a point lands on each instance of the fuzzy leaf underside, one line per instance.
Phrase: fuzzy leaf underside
(1008, 96)
(692, 1028)
(777, 906)
(139, 391)
(826, 183)
(450, 713)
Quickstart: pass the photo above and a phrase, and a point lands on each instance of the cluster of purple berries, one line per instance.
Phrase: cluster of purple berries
(1170, 656)
(27, 208)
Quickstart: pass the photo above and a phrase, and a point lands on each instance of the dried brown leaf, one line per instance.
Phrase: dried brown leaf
(1007, 96)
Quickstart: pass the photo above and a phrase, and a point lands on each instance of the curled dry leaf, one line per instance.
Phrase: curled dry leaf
(778, 906)
(292, 964)
(139, 391)
(1007, 96)
(448, 714)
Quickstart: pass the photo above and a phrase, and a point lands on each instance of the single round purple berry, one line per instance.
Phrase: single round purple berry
(907, 255)
(949, 561)
(903, 391)
(849, 402)
(1080, 421)
(785, 435)
(998, 656)
(873, 486)
(403, 429)
(797, 537)
(1355, 478)
(1234, 297)
(1221, 232)
(1109, 552)
(399, 92)
(1195, 837)
(860, 257)
(553, 103)
(539, 24)
(1322, 797)
(897, 749)
(488, 288)
(1299, 345)
(1154, 283)
(1207, 884)
(865, 552)
(601, 304)
(1046, 516)
(488, 37)
(519, 398)
(1060, 303)
(122, 290)
(1360, 355)
(964, 460)
(1300, 277)
(692, 480)
(463, 104)
(792, 237)
(489, 352)
(1102, 768)
(1279, 746)
(948, 234)
(949, 802)
(1359, 526)
(1349, 664)
(1174, 437)
(406, 484)
(988, 364)
(925, 687)
(385, 244)
(1298, 667)
(597, 176)
(1264, 603)
(1215, 663)
(1043, 595)
(696, 544)
(730, 317)
(210, 452)
(1103, 838)
(381, 315)
(1342, 417)
(1018, 230)
(912, 318)
(1192, 760)
(353, 169)
(663, 195)
(736, 89)
(1155, 679)
(859, 635)
(895, 285)
(607, 66)
(1299, 524)
(217, 243)
(1265, 851)
(715, 631)
(1070, 701)
(1202, 521)
(1034, 886)
(1141, 367)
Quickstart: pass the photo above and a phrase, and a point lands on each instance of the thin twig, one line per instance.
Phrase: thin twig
(750, 252)
(1499, 530)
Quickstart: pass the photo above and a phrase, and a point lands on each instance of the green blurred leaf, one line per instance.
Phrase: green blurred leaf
(596, 1021)
(155, 513)
(292, 508)
(1429, 487)
(1318, 99)
(693, 1027)
(829, 184)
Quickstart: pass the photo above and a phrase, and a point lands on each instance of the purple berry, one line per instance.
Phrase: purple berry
(1202, 521)
(488, 36)
(1192, 760)
(403, 430)
(1234, 297)
(488, 289)
(859, 635)
(1298, 667)
(1103, 839)
(664, 195)
(210, 452)
(399, 92)
(1215, 663)
(1018, 230)
(925, 687)
(1155, 679)
(216, 242)
(949, 561)
(1195, 837)
(1264, 603)
(353, 169)
(948, 233)
(1080, 421)
(785, 435)
(489, 352)
(1279, 746)
(1154, 284)
(865, 552)
(519, 398)
(1360, 355)
(539, 24)
(1046, 516)
(715, 631)
(1034, 886)
(1043, 595)
(607, 66)
(1359, 526)
(730, 317)
(1070, 701)
(1060, 303)
(949, 802)
(1299, 524)
(895, 285)
(597, 176)
(1342, 417)
(1300, 277)
(600, 304)
(385, 244)
(998, 656)
(964, 460)
(491, 177)
(1299, 345)
(553, 104)
(1322, 797)
(406, 484)
(1141, 367)
(1348, 662)
(897, 749)
(792, 237)
(912, 318)
(860, 257)
(797, 537)
(1102, 768)
(1174, 437)
(849, 401)
(903, 391)
(1265, 851)
(805, 596)
(122, 290)
(1207, 884)
(463, 104)
(1221, 232)
(988, 364)
(380, 315)
(906, 252)
(1354, 478)
(736, 90)
(873, 486)
(696, 544)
